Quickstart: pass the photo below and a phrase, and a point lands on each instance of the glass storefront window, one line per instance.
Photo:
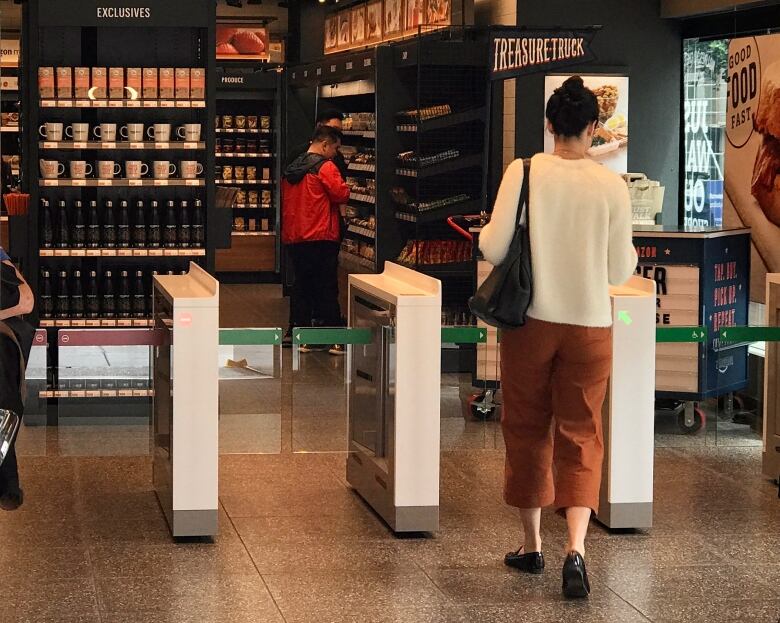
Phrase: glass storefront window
(705, 92)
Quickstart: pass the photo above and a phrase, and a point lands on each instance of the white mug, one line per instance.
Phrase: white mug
(133, 132)
(79, 132)
(190, 169)
(135, 169)
(79, 169)
(51, 131)
(105, 132)
(108, 169)
(160, 132)
(51, 169)
(189, 132)
(163, 169)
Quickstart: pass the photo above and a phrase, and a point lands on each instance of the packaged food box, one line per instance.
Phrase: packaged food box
(64, 82)
(167, 83)
(150, 89)
(264, 225)
(99, 83)
(134, 82)
(252, 224)
(198, 83)
(182, 82)
(46, 82)
(116, 83)
(81, 82)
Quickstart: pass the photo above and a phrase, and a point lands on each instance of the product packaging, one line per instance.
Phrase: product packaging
(182, 83)
(150, 90)
(81, 82)
(266, 173)
(198, 83)
(134, 79)
(167, 83)
(99, 83)
(46, 82)
(252, 224)
(116, 83)
(264, 224)
(64, 82)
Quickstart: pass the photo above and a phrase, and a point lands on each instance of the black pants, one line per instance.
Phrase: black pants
(315, 293)
(9, 399)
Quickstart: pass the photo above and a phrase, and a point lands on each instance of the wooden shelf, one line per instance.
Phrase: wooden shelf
(122, 252)
(119, 183)
(88, 103)
(445, 121)
(96, 323)
(120, 145)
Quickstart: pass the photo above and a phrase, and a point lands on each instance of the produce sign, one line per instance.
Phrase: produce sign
(517, 52)
(242, 42)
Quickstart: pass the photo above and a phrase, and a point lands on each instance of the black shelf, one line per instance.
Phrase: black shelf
(445, 121)
(472, 206)
(448, 166)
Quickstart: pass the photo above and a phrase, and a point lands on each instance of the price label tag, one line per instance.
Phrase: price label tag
(188, 145)
(92, 323)
(62, 253)
(108, 252)
(65, 103)
(48, 103)
(92, 393)
(99, 104)
(140, 393)
(108, 323)
(183, 104)
(109, 145)
(192, 182)
(107, 393)
(105, 182)
(198, 104)
(125, 393)
(93, 253)
(78, 393)
(78, 323)
(366, 62)
(135, 182)
(349, 65)
(155, 252)
(124, 323)
(162, 145)
(167, 104)
(319, 71)
(48, 145)
(333, 69)
(116, 104)
(140, 252)
(78, 253)
(150, 104)
(60, 393)
(79, 182)
(50, 182)
(133, 103)
(160, 182)
(83, 104)
(136, 145)
(80, 145)
(61, 323)
(125, 253)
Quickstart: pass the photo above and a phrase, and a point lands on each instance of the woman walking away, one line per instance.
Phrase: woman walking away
(554, 370)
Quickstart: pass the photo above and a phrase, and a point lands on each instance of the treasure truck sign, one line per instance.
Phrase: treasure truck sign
(517, 52)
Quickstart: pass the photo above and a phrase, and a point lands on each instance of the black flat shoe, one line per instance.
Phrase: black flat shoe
(529, 563)
(11, 501)
(575, 577)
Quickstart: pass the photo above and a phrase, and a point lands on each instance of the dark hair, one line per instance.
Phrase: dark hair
(326, 133)
(572, 107)
(327, 115)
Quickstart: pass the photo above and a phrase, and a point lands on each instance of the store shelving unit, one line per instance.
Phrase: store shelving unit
(10, 135)
(248, 93)
(175, 34)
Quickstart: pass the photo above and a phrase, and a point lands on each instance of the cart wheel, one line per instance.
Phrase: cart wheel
(699, 421)
(479, 410)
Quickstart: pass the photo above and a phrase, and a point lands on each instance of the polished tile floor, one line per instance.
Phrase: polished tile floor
(297, 544)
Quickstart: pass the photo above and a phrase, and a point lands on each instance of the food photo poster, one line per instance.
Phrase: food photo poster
(610, 141)
(242, 42)
(752, 165)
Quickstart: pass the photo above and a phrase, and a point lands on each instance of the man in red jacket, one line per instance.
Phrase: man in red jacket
(312, 191)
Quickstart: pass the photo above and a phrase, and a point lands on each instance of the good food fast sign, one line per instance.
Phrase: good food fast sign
(519, 52)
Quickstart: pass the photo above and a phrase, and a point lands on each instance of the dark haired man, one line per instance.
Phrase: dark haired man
(312, 192)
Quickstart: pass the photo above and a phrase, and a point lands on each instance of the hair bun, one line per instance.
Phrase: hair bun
(574, 85)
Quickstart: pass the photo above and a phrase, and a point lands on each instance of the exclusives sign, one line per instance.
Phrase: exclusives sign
(520, 52)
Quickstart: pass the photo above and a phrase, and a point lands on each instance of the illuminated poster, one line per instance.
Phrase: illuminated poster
(610, 142)
(242, 42)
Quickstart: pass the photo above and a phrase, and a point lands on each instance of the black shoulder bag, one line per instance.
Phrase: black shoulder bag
(503, 299)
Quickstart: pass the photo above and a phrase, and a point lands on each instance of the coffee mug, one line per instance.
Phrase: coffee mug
(160, 132)
(51, 131)
(105, 132)
(51, 169)
(190, 169)
(133, 132)
(135, 169)
(189, 132)
(79, 132)
(163, 169)
(107, 169)
(79, 169)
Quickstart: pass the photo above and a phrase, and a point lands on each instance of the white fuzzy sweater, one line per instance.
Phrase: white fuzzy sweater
(581, 237)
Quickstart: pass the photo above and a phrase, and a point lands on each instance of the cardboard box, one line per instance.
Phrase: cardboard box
(46, 82)
(81, 82)
(116, 83)
(133, 80)
(166, 83)
(182, 83)
(99, 83)
(64, 82)
(150, 88)
(197, 83)
(264, 224)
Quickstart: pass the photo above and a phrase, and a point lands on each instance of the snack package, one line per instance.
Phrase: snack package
(182, 83)
(167, 83)
(116, 83)
(81, 82)
(64, 82)
(134, 82)
(46, 82)
(197, 83)
(99, 83)
(150, 89)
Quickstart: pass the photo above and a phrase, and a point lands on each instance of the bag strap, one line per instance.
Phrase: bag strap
(525, 193)
(6, 330)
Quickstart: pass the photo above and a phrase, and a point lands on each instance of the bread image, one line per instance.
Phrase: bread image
(226, 48)
(247, 42)
(765, 185)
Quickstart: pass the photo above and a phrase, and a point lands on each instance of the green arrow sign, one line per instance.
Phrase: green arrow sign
(625, 318)
(463, 335)
(332, 336)
(250, 337)
(750, 334)
(681, 334)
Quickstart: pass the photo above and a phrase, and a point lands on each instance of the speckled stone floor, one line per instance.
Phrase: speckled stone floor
(296, 544)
